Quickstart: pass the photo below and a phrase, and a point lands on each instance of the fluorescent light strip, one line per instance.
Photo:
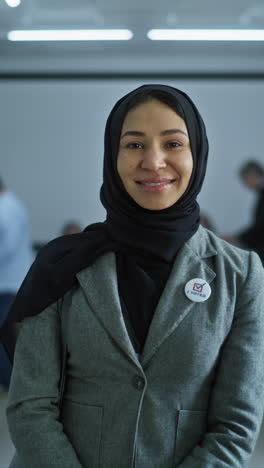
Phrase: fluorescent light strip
(71, 35)
(206, 34)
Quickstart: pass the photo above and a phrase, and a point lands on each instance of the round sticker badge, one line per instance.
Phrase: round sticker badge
(197, 290)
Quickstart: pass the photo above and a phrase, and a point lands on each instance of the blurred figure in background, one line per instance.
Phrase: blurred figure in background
(16, 257)
(206, 221)
(71, 227)
(252, 176)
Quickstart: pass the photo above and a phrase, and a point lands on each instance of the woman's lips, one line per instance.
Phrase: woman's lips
(155, 185)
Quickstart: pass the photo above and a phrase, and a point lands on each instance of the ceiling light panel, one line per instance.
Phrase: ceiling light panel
(206, 34)
(13, 3)
(71, 35)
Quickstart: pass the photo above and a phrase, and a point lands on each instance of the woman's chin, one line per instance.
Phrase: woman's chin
(153, 205)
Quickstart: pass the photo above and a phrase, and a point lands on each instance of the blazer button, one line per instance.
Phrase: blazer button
(138, 382)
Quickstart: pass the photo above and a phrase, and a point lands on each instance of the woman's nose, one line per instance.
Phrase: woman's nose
(153, 159)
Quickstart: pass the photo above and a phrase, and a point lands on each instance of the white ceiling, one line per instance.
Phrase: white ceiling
(140, 54)
(148, 13)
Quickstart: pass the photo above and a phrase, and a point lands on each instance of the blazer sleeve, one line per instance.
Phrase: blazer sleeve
(236, 404)
(32, 411)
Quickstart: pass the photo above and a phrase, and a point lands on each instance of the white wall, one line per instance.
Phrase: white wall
(51, 135)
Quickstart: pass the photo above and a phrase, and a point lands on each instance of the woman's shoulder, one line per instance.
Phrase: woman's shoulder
(210, 244)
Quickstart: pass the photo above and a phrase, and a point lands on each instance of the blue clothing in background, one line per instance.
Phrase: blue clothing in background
(16, 253)
(16, 256)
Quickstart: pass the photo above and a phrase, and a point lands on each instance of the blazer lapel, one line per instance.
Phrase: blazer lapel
(174, 305)
(99, 284)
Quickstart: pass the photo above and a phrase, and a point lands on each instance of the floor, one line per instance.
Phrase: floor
(6, 447)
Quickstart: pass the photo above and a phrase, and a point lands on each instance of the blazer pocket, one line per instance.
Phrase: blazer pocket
(191, 428)
(83, 426)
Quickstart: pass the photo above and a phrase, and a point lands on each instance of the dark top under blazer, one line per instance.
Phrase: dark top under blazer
(193, 400)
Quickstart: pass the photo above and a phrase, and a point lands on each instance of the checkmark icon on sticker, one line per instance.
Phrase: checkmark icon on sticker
(198, 287)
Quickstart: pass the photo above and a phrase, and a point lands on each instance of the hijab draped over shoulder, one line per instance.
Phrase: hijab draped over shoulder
(140, 238)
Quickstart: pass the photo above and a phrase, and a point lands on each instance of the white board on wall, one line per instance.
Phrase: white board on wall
(51, 135)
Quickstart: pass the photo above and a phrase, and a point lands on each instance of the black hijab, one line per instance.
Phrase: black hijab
(129, 230)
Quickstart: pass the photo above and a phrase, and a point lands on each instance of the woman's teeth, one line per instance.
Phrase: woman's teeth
(153, 184)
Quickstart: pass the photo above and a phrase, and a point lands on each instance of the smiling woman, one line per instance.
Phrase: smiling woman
(161, 322)
(154, 159)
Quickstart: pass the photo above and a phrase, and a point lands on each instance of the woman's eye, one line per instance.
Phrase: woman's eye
(134, 146)
(173, 144)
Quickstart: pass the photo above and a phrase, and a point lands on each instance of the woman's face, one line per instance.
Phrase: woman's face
(154, 159)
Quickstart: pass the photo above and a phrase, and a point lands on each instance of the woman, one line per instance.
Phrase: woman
(163, 322)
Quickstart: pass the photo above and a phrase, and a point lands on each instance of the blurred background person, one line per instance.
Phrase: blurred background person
(71, 227)
(206, 221)
(16, 257)
(252, 176)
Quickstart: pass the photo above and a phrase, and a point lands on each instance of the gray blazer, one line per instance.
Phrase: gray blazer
(193, 399)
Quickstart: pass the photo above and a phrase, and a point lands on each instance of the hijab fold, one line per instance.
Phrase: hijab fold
(132, 232)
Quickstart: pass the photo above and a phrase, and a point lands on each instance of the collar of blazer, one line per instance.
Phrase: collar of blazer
(99, 284)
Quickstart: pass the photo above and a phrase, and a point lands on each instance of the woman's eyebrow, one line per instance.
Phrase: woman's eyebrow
(164, 132)
(173, 130)
(132, 133)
